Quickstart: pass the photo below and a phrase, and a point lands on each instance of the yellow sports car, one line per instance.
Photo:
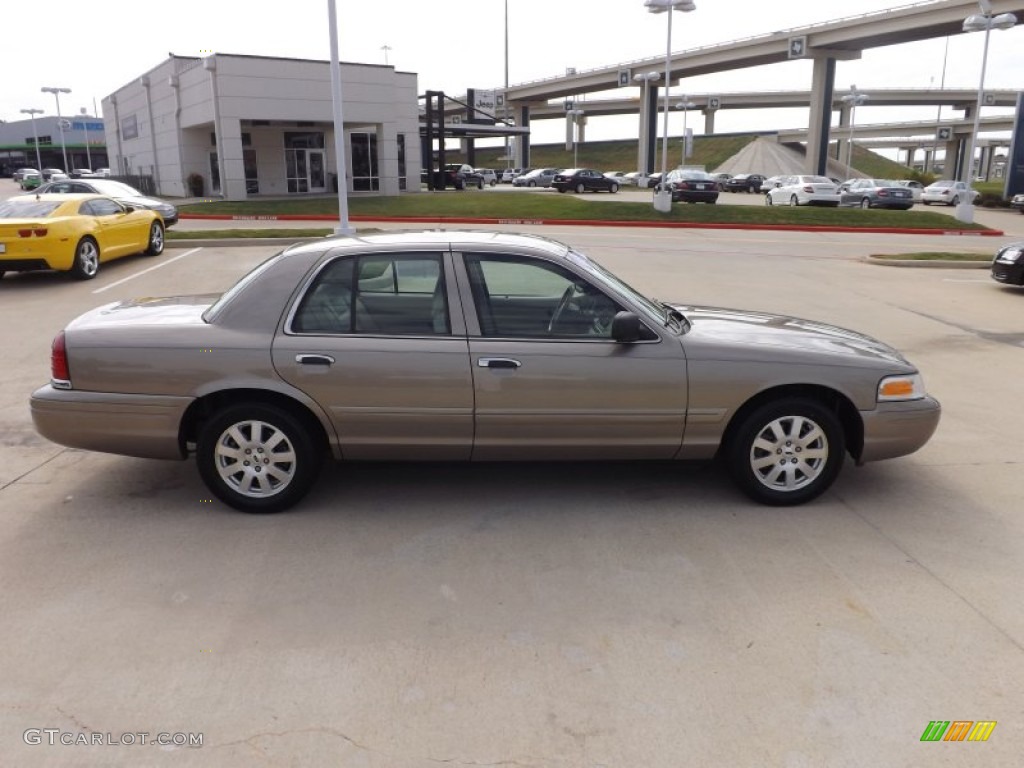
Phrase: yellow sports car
(74, 233)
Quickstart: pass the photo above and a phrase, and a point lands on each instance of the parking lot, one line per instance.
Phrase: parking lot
(537, 615)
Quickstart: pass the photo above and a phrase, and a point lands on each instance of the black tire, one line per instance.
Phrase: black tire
(580, 189)
(561, 189)
(955, 200)
(768, 200)
(532, 183)
(865, 203)
(785, 429)
(156, 239)
(613, 188)
(2, 272)
(480, 184)
(234, 430)
(87, 259)
(794, 201)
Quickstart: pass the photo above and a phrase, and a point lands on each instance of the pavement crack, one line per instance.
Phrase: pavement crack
(28, 472)
(251, 740)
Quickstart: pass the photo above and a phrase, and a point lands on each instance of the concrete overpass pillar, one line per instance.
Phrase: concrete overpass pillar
(951, 166)
(822, 83)
(844, 125)
(568, 133)
(648, 138)
(929, 158)
(523, 142)
(709, 121)
(581, 129)
(910, 156)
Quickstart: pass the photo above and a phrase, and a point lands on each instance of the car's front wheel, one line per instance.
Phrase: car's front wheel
(865, 203)
(532, 183)
(955, 201)
(580, 189)
(786, 452)
(794, 200)
(257, 457)
(768, 200)
(156, 239)
(613, 188)
(87, 259)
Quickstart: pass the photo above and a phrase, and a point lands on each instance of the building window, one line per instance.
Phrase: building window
(304, 140)
(214, 174)
(252, 176)
(365, 172)
(130, 128)
(401, 162)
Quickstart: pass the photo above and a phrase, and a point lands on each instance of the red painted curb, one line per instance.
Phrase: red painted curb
(603, 223)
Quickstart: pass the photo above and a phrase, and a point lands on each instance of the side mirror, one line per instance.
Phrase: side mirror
(129, 208)
(626, 327)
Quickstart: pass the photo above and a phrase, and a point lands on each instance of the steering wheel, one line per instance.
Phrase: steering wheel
(563, 304)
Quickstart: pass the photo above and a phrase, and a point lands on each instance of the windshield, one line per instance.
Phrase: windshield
(114, 188)
(32, 210)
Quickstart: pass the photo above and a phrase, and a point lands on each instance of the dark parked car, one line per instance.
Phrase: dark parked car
(582, 180)
(744, 182)
(876, 193)
(1008, 265)
(115, 189)
(462, 175)
(692, 187)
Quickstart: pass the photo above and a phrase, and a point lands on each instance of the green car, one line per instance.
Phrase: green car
(31, 180)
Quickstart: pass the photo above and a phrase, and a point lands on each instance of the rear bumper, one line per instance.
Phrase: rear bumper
(898, 429)
(130, 425)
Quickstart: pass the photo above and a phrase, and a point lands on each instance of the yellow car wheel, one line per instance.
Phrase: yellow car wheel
(87, 259)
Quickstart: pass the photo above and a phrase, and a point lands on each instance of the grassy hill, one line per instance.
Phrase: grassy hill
(620, 155)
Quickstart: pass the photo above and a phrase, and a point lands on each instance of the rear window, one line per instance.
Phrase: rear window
(35, 209)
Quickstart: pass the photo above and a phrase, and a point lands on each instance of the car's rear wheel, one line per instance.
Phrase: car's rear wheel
(156, 239)
(768, 200)
(532, 183)
(865, 203)
(480, 184)
(257, 458)
(580, 189)
(87, 259)
(787, 452)
(794, 200)
(613, 188)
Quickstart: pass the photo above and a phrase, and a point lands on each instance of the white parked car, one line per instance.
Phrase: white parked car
(635, 179)
(772, 182)
(948, 192)
(916, 188)
(803, 190)
(490, 177)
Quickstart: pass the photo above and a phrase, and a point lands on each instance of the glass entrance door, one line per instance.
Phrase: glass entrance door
(305, 161)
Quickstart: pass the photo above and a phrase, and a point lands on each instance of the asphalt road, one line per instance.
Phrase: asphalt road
(521, 615)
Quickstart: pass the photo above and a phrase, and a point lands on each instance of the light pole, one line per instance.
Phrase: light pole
(343, 228)
(576, 114)
(974, 23)
(385, 48)
(32, 113)
(663, 197)
(646, 78)
(854, 98)
(686, 105)
(56, 94)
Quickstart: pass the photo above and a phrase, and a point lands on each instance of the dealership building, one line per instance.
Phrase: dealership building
(83, 142)
(256, 125)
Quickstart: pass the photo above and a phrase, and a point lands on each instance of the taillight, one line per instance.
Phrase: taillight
(809, 189)
(59, 373)
(883, 193)
(37, 231)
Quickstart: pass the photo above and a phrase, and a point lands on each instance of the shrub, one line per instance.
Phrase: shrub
(196, 184)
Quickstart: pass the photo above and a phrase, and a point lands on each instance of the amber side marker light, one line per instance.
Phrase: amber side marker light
(901, 388)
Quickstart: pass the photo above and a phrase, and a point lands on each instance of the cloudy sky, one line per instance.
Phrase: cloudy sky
(96, 46)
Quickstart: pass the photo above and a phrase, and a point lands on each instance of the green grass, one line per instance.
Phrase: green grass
(875, 166)
(934, 256)
(709, 151)
(472, 203)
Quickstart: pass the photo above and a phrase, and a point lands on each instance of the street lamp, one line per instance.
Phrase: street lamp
(385, 48)
(646, 78)
(32, 113)
(975, 23)
(343, 228)
(663, 197)
(56, 94)
(854, 98)
(686, 105)
(576, 114)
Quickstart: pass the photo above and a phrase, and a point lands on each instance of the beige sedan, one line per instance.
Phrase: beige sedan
(470, 346)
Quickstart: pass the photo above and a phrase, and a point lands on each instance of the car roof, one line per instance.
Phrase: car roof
(431, 238)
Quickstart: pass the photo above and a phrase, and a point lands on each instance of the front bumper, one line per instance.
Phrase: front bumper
(130, 425)
(899, 428)
(1010, 274)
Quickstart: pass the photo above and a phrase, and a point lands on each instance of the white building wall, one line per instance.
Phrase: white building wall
(282, 91)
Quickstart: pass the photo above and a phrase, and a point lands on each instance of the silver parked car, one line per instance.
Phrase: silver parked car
(470, 346)
(875, 193)
(538, 177)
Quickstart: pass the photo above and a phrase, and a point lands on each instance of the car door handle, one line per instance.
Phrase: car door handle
(314, 360)
(498, 362)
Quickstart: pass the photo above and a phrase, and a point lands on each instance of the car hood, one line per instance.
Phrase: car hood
(731, 334)
(167, 310)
